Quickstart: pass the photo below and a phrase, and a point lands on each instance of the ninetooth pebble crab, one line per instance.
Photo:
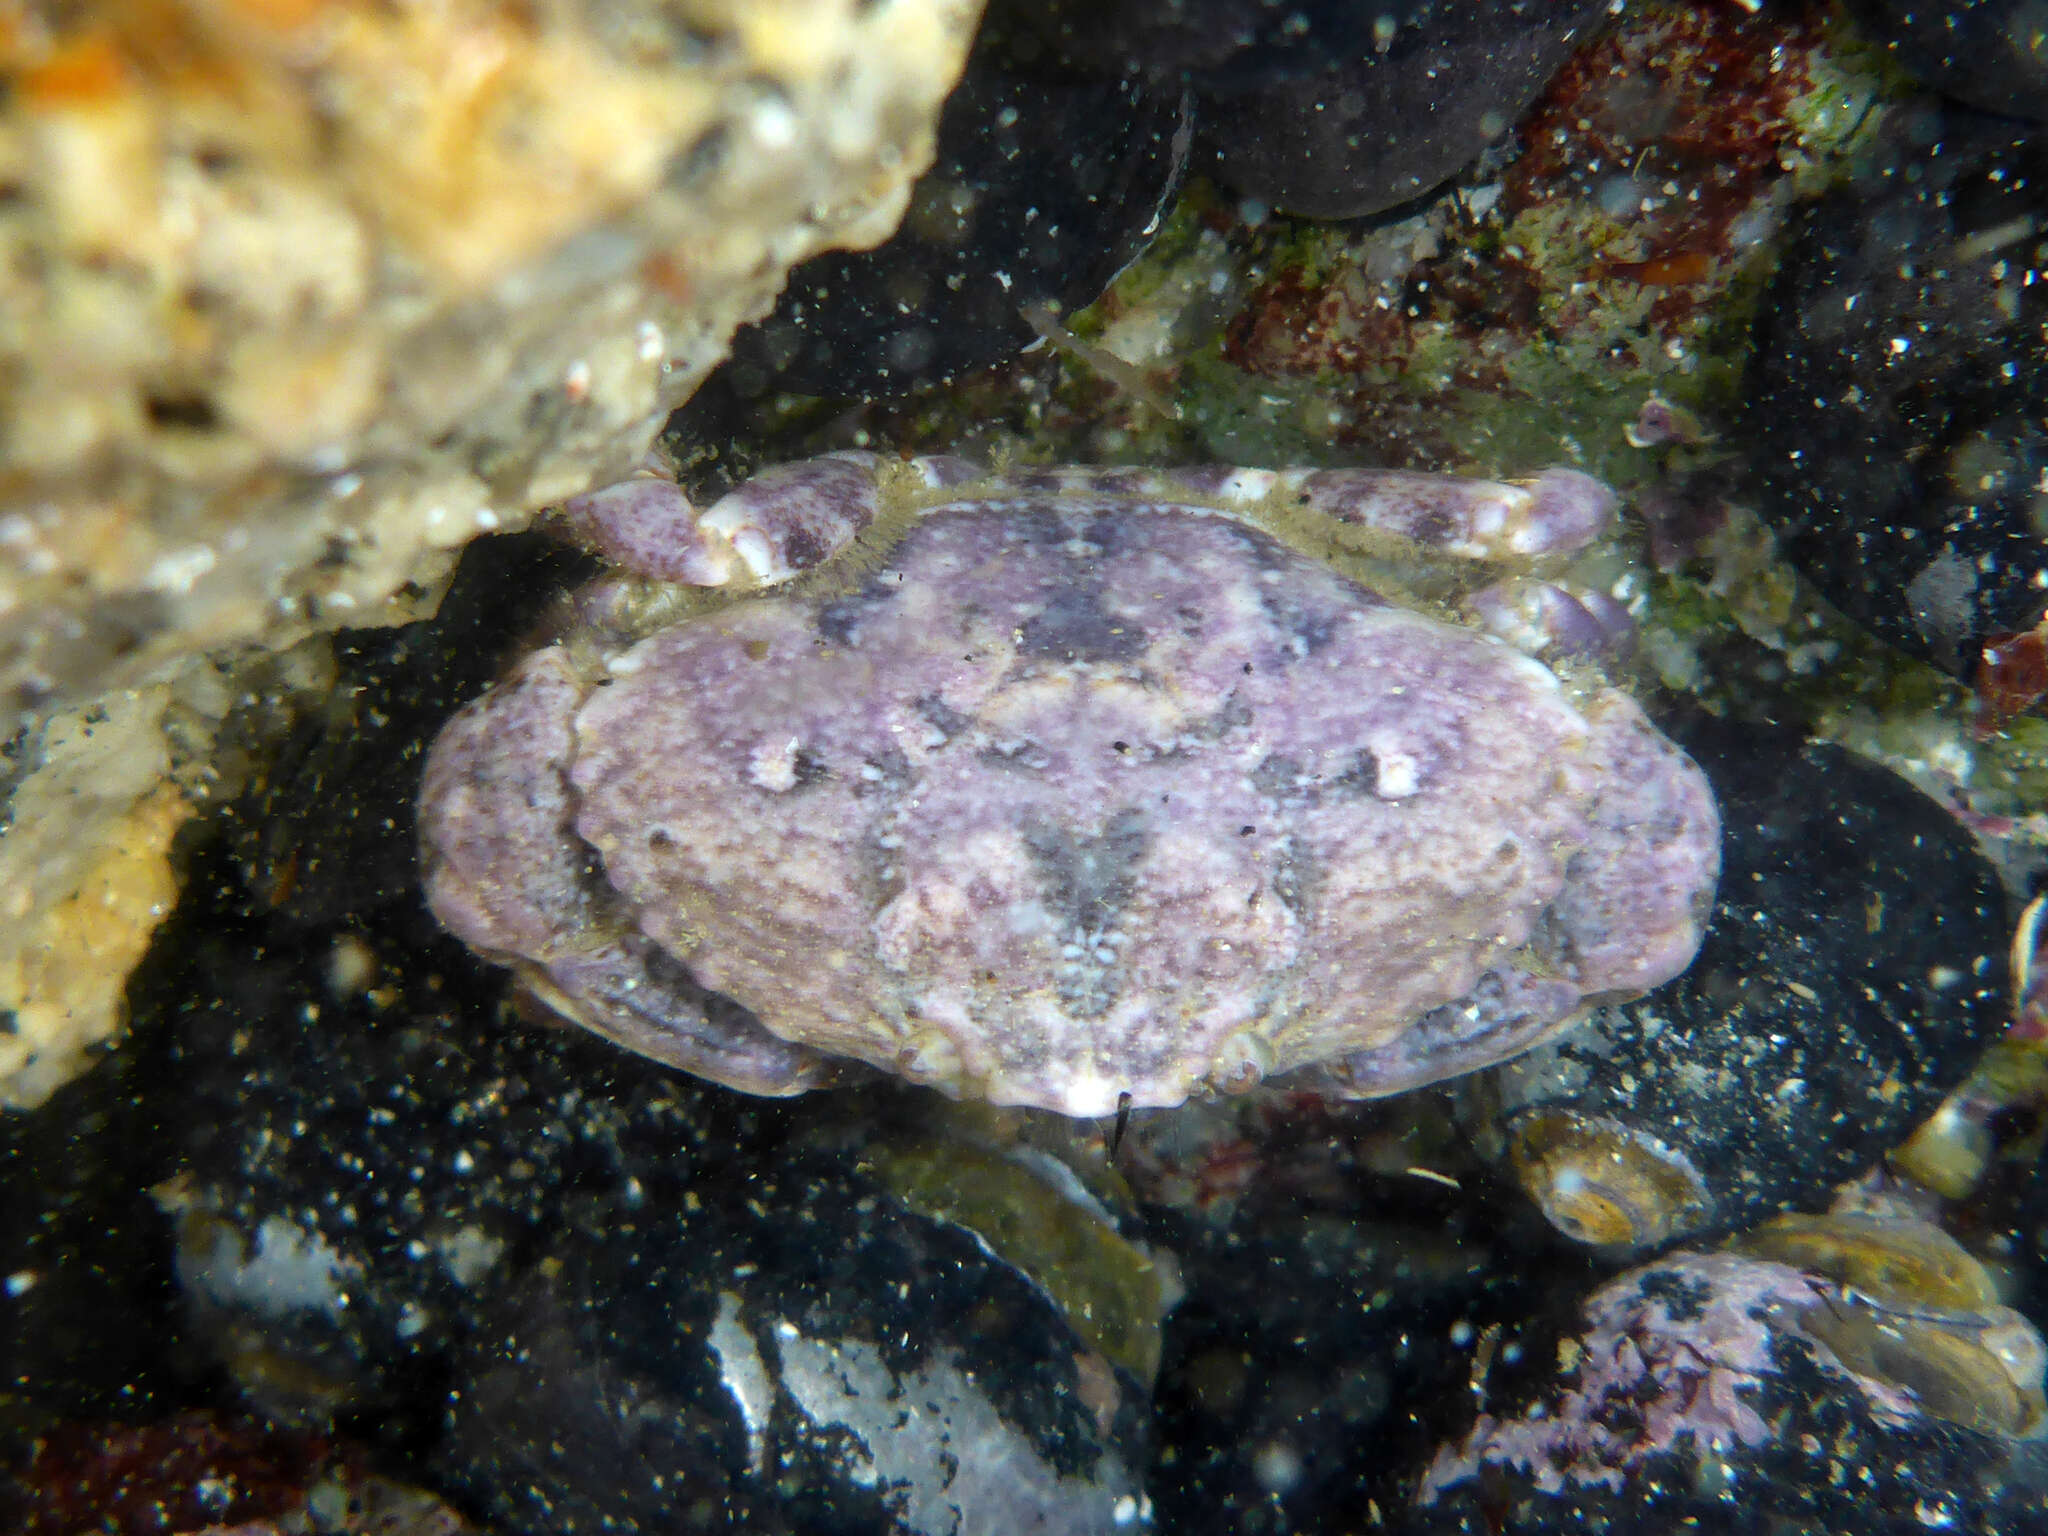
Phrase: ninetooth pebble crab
(1089, 783)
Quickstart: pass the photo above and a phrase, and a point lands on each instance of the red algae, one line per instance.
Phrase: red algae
(1694, 107)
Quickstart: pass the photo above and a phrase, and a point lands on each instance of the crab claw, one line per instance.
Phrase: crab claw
(1560, 509)
(1566, 510)
(779, 524)
(647, 525)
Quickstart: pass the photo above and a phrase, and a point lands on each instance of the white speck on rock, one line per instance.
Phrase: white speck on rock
(744, 1374)
(292, 1270)
(952, 1463)
(1396, 775)
(468, 1253)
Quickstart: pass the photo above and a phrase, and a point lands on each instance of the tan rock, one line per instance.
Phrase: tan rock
(296, 296)
(85, 877)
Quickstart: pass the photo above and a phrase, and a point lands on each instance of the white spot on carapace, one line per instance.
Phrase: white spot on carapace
(1396, 774)
(772, 765)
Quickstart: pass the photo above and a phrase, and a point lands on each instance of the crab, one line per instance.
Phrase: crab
(1075, 788)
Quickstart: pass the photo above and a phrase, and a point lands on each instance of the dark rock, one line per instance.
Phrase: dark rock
(1899, 391)
(1703, 1395)
(789, 1353)
(1990, 54)
(1335, 1318)
(1336, 111)
(2028, 1237)
(1854, 967)
(1221, 44)
(88, 1319)
(1389, 125)
(1046, 184)
(598, 1296)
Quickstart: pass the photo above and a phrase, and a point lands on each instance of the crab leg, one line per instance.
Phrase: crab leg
(1546, 619)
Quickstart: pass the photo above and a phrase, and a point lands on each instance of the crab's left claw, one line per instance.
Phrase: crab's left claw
(777, 525)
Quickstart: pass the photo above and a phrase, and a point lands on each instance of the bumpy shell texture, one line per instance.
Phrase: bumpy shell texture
(1079, 797)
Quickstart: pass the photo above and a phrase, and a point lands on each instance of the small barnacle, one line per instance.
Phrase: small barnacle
(1892, 1257)
(1605, 1183)
(1905, 1303)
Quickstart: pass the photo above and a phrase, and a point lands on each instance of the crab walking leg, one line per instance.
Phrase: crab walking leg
(1559, 510)
(634, 995)
(1546, 619)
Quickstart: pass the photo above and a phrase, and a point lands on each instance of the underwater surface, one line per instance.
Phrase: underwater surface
(933, 959)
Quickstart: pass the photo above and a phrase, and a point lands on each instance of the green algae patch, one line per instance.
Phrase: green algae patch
(1113, 1292)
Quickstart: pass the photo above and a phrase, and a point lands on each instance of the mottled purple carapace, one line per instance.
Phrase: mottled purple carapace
(1089, 786)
